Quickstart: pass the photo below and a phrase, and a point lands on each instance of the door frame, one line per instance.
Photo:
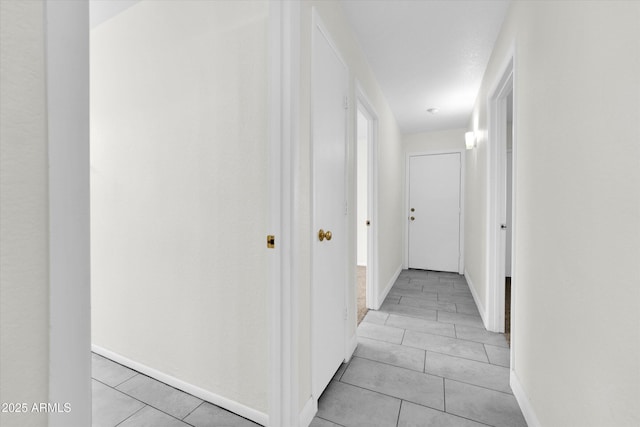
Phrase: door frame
(364, 105)
(408, 156)
(283, 152)
(67, 72)
(67, 88)
(317, 22)
(496, 197)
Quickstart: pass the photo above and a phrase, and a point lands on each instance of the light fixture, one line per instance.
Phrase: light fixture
(470, 140)
(433, 110)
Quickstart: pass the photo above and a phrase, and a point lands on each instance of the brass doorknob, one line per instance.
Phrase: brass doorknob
(324, 235)
(412, 218)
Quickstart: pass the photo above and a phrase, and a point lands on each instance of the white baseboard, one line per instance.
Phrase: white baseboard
(479, 304)
(308, 412)
(523, 401)
(386, 290)
(223, 402)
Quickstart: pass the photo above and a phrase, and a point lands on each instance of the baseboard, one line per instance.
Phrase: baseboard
(223, 402)
(308, 412)
(523, 401)
(479, 304)
(386, 290)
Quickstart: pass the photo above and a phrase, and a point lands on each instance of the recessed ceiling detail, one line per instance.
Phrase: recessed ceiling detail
(428, 50)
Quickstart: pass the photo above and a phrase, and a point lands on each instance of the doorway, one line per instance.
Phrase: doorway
(366, 124)
(501, 149)
(508, 219)
(362, 210)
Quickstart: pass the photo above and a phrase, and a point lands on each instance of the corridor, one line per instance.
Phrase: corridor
(424, 359)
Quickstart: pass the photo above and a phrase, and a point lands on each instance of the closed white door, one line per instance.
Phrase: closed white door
(434, 212)
(329, 90)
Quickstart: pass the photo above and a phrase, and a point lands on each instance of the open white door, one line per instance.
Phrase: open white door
(434, 212)
(329, 119)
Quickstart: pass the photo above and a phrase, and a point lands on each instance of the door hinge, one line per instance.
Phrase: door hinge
(346, 314)
(271, 241)
(346, 102)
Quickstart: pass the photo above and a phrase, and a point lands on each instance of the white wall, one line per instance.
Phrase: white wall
(24, 211)
(390, 174)
(575, 319)
(434, 141)
(179, 194)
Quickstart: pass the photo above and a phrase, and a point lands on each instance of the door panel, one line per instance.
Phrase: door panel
(329, 88)
(434, 202)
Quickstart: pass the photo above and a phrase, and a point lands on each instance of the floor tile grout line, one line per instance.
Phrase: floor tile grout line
(388, 364)
(388, 395)
(479, 386)
(444, 392)
(399, 412)
(380, 340)
(448, 354)
(453, 414)
(456, 337)
(193, 410)
(384, 363)
(426, 373)
(116, 425)
(150, 405)
(329, 421)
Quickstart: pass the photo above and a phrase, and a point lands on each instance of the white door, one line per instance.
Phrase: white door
(329, 119)
(434, 212)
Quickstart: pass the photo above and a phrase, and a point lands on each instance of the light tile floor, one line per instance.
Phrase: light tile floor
(125, 398)
(424, 359)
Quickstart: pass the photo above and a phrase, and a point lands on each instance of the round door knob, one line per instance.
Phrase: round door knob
(412, 218)
(321, 235)
(328, 235)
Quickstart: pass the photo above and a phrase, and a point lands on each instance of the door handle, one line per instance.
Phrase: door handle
(324, 235)
(503, 226)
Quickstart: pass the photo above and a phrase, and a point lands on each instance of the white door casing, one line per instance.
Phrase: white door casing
(434, 212)
(329, 77)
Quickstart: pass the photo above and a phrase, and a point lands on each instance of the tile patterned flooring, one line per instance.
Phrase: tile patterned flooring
(125, 398)
(424, 359)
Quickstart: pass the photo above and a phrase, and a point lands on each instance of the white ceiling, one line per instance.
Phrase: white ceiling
(428, 53)
(424, 53)
(101, 10)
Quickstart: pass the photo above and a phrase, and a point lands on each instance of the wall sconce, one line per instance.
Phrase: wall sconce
(470, 140)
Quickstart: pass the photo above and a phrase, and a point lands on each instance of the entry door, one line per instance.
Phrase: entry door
(329, 117)
(434, 212)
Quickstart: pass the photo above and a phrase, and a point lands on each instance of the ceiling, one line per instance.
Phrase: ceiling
(424, 53)
(101, 10)
(428, 54)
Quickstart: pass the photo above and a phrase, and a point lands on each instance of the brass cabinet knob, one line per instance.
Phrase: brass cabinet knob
(328, 235)
(412, 218)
